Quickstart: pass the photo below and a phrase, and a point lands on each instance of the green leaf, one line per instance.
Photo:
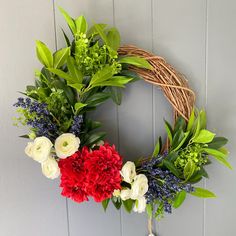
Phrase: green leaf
(79, 106)
(66, 38)
(189, 170)
(157, 148)
(182, 141)
(204, 136)
(102, 75)
(203, 119)
(60, 57)
(44, 54)
(177, 139)
(219, 156)
(191, 120)
(94, 138)
(76, 86)
(81, 25)
(169, 165)
(74, 72)
(116, 95)
(169, 131)
(113, 38)
(118, 81)
(70, 21)
(197, 127)
(136, 61)
(105, 203)
(93, 31)
(179, 199)
(97, 99)
(128, 205)
(131, 74)
(203, 193)
(180, 124)
(63, 75)
(100, 29)
(116, 202)
(149, 210)
(67, 90)
(218, 142)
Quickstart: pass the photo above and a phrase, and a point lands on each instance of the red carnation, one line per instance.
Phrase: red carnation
(103, 175)
(91, 173)
(73, 176)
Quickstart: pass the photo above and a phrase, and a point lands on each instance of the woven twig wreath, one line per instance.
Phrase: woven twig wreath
(78, 78)
(173, 84)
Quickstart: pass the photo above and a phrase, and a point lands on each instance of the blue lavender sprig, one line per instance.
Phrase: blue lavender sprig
(76, 125)
(40, 118)
(162, 184)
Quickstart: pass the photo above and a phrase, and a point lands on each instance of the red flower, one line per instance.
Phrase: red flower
(73, 176)
(103, 175)
(95, 173)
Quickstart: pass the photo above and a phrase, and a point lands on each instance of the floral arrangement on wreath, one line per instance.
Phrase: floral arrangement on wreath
(64, 140)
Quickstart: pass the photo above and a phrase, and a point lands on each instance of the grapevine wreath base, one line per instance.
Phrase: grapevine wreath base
(64, 140)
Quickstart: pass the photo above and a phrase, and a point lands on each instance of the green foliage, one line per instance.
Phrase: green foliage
(179, 199)
(203, 193)
(105, 203)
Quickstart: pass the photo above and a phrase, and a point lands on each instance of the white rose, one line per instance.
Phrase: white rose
(28, 149)
(139, 186)
(140, 205)
(66, 145)
(125, 194)
(40, 149)
(128, 171)
(50, 168)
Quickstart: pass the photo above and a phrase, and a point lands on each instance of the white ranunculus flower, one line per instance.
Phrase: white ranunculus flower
(50, 168)
(140, 205)
(125, 194)
(28, 149)
(139, 186)
(66, 145)
(128, 171)
(40, 149)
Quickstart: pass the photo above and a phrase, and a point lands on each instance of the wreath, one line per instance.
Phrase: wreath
(75, 80)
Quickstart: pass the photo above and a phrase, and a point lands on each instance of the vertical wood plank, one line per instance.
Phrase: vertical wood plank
(221, 112)
(30, 204)
(133, 19)
(179, 37)
(89, 218)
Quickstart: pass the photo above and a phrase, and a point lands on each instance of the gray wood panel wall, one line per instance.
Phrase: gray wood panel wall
(198, 37)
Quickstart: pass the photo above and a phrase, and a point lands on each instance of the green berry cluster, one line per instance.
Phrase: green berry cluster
(191, 153)
(91, 56)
